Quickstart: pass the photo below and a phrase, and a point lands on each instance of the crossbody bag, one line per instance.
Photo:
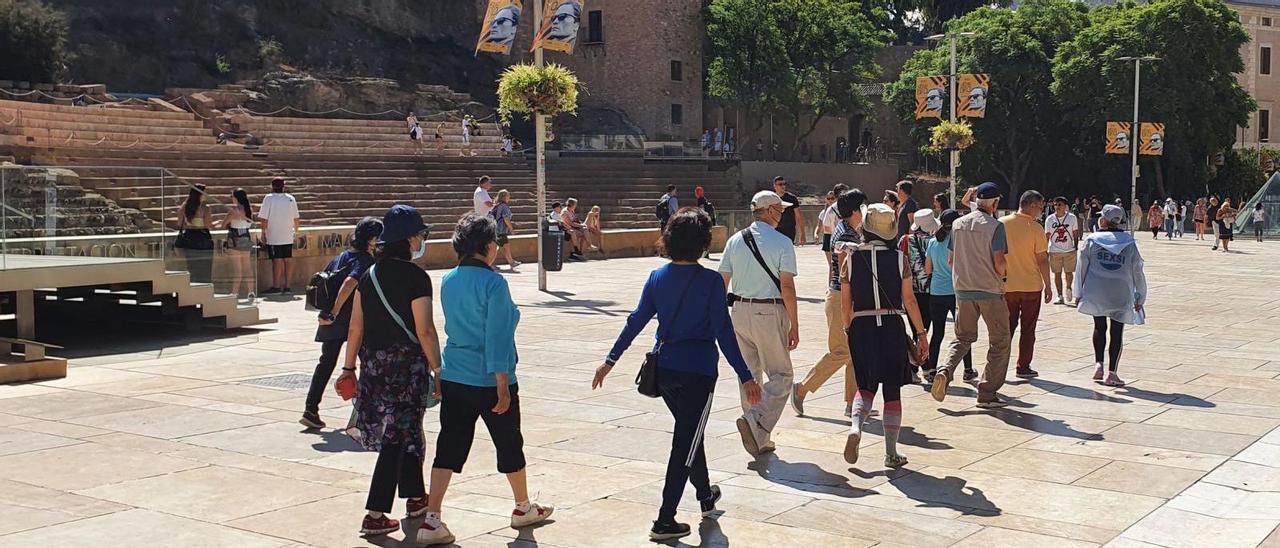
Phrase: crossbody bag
(750, 239)
(647, 377)
(913, 356)
(428, 389)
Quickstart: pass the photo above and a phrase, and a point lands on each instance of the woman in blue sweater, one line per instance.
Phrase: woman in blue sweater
(693, 315)
(478, 378)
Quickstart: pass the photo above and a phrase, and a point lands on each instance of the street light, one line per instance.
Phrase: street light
(540, 148)
(1134, 139)
(955, 154)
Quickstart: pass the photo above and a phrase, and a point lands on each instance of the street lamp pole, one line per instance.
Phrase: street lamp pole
(1134, 140)
(540, 129)
(955, 154)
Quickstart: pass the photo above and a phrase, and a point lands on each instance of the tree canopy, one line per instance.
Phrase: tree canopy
(802, 58)
(33, 41)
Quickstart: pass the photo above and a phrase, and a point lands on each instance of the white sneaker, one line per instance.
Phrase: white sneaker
(434, 531)
(536, 514)
(1058, 300)
(1070, 298)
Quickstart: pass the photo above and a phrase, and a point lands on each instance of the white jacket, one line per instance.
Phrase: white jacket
(1110, 279)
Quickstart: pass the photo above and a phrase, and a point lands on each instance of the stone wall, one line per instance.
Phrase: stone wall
(46, 202)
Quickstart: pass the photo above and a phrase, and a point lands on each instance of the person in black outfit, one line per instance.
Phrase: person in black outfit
(791, 223)
(332, 332)
(908, 207)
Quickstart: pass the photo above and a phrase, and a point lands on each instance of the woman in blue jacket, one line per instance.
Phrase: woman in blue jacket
(1111, 287)
(478, 378)
(693, 315)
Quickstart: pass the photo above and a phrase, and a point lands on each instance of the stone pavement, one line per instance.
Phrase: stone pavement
(193, 441)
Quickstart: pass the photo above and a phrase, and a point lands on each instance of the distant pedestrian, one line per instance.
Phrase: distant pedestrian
(978, 245)
(907, 206)
(791, 224)
(1171, 217)
(942, 295)
(1226, 223)
(668, 205)
(481, 201)
(1155, 219)
(1200, 214)
(194, 242)
(1211, 220)
(705, 204)
(335, 320)
(501, 214)
(238, 221)
(574, 228)
(595, 232)
(827, 219)
(1063, 231)
(876, 291)
(440, 138)
(1112, 289)
(1259, 219)
(689, 303)
(280, 221)
(915, 246)
(759, 267)
(1027, 285)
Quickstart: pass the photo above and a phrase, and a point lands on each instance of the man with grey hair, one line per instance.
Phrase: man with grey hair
(978, 245)
(1028, 275)
(759, 269)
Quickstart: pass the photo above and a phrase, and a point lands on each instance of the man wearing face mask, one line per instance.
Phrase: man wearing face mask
(759, 268)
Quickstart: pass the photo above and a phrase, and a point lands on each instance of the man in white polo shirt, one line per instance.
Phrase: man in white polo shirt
(759, 269)
(480, 199)
(279, 216)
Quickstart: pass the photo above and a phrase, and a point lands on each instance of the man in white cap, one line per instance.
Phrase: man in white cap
(759, 268)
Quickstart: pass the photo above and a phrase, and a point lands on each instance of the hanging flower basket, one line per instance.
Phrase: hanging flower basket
(952, 136)
(526, 89)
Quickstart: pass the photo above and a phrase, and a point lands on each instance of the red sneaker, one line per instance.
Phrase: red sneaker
(415, 507)
(373, 527)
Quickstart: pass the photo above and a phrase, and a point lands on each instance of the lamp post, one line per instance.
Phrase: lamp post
(540, 129)
(1134, 139)
(955, 154)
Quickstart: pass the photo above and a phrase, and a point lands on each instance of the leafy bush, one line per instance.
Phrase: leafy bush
(221, 63)
(527, 89)
(33, 41)
(269, 50)
(952, 136)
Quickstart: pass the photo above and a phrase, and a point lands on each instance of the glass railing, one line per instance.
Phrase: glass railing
(102, 214)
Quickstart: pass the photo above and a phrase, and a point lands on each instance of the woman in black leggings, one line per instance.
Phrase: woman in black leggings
(1112, 288)
(942, 295)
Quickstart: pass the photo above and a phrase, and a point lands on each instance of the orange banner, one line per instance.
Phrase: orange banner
(1152, 139)
(973, 95)
(1119, 135)
(559, 30)
(931, 95)
(501, 21)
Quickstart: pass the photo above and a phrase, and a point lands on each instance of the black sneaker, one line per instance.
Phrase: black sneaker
(970, 375)
(286, 291)
(1027, 373)
(668, 531)
(709, 504)
(311, 419)
(271, 291)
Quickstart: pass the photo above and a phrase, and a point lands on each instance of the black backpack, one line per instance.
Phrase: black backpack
(323, 288)
(663, 210)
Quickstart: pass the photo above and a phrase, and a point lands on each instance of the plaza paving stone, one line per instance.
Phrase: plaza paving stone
(165, 440)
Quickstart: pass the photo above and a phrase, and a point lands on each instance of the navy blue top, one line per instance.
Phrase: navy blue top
(703, 321)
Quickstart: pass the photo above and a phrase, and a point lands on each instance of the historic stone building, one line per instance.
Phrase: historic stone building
(1261, 19)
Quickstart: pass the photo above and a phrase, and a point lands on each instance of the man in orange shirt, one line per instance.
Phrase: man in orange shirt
(1028, 284)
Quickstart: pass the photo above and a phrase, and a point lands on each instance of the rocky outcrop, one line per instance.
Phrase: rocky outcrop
(44, 202)
(306, 92)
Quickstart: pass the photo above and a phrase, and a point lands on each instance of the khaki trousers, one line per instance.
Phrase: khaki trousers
(761, 331)
(837, 355)
(995, 313)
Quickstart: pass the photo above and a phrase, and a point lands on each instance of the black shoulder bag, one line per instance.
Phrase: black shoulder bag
(647, 377)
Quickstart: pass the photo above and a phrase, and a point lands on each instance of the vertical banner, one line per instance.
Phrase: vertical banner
(559, 30)
(1151, 142)
(973, 95)
(931, 95)
(498, 32)
(1118, 136)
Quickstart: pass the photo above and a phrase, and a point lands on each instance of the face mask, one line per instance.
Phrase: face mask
(422, 250)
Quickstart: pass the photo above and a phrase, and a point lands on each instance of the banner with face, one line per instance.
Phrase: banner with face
(1119, 135)
(931, 95)
(973, 95)
(501, 21)
(1152, 139)
(559, 31)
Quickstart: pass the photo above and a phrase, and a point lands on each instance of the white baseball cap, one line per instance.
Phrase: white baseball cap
(766, 198)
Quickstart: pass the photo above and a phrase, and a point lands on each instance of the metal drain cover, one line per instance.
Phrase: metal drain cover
(291, 381)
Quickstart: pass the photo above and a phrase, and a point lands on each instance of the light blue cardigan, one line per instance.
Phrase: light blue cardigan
(1110, 279)
(480, 325)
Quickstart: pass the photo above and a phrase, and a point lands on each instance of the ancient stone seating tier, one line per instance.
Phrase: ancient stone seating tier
(347, 136)
(44, 125)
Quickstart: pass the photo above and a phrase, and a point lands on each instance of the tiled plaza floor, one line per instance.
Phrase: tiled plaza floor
(176, 444)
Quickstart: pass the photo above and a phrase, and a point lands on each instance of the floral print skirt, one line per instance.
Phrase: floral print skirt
(389, 403)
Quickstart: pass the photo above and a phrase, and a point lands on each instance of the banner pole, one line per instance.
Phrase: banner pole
(955, 154)
(540, 129)
(1134, 141)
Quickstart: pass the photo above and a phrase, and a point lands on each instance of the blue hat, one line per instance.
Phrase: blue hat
(988, 190)
(401, 223)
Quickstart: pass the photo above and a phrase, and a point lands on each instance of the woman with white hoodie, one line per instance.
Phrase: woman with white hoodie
(1111, 287)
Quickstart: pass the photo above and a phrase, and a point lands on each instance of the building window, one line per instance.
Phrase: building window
(595, 27)
(1264, 61)
(677, 115)
(1264, 126)
(1266, 21)
(677, 71)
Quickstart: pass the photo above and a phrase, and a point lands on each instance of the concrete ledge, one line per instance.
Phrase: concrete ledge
(41, 370)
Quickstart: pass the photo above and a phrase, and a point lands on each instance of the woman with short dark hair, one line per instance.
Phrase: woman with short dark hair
(478, 380)
(693, 316)
(394, 334)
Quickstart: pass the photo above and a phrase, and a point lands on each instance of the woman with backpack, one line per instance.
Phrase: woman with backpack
(394, 334)
(343, 275)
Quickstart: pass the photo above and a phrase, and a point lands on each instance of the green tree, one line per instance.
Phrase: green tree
(1192, 89)
(33, 41)
(911, 21)
(801, 58)
(1023, 125)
